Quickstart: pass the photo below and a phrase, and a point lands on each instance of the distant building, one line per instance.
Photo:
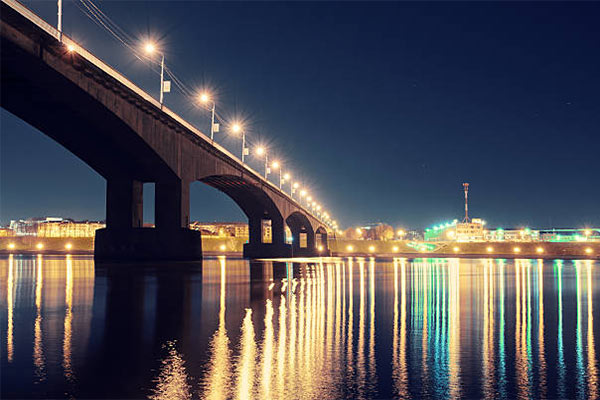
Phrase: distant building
(471, 231)
(55, 227)
(222, 229)
(6, 232)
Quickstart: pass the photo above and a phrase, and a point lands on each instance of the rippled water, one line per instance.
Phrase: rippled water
(358, 328)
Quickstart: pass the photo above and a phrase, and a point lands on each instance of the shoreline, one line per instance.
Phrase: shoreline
(232, 247)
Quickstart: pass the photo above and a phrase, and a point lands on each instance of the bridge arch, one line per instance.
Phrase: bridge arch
(303, 235)
(265, 221)
(321, 242)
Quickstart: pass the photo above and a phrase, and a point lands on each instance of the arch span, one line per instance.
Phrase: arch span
(303, 235)
(266, 227)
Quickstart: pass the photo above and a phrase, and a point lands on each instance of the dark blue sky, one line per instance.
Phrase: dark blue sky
(384, 109)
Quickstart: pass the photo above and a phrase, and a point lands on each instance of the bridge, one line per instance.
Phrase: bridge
(129, 138)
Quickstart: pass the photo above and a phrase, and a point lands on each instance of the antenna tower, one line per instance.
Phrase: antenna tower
(466, 187)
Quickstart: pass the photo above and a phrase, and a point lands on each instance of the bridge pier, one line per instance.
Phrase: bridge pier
(263, 245)
(125, 239)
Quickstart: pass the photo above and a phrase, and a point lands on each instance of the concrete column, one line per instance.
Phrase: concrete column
(124, 203)
(256, 248)
(172, 204)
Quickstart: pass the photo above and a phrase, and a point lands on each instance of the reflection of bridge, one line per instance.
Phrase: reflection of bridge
(127, 137)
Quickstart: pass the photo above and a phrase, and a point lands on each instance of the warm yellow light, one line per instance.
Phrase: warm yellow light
(588, 250)
(587, 232)
(318, 207)
(260, 150)
(395, 249)
(371, 248)
(490, 249)
(303, 193)
(204, 97)
(39, 246)
(11, 245)
(149, 48)
(358, 231)
(309, 198)
(70, 48)
(450, 234)
(236, 128)
(68, 246)
(400, 232)
(349, 247)
(517, 249)
(275, 164)
(539, 250)
(456, 249)
(286, 176)
(223, 247)
(296, 185)
(320, 248)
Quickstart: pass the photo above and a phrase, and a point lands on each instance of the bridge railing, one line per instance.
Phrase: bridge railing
(98, 63)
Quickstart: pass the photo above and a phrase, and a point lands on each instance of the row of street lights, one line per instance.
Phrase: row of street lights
(205, 98)
(236, 128)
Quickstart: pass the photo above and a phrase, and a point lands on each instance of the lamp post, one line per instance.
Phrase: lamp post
(237, 128)
(295, 187)
(286, 177)
(59, 24)
(206, 98)
(165, 86)
(260, 151)
(275, 165)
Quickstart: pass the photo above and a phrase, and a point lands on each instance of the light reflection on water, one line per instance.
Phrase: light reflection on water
(332, 328)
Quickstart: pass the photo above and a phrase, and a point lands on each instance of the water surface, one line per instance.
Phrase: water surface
(328, 329)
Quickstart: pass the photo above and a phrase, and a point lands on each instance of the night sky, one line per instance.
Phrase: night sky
(383, 110)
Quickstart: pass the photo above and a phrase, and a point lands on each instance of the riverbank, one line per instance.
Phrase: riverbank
(213, 246)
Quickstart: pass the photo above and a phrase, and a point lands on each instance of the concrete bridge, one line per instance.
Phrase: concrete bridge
(128, 138)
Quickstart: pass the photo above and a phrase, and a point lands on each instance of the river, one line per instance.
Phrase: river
(317, 329)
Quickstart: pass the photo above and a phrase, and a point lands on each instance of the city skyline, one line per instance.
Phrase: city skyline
(393, 162)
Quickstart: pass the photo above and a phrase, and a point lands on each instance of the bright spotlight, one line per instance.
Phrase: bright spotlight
(149, 47)
(588, 250)
(11, 245)
(39, 246)
(349, 247)
(223, 247)
(236, 128)
(395, 249)
(68, 246)
(517, 249)
(260, 150)
(70, 48)
(286, 176)
(275, 164)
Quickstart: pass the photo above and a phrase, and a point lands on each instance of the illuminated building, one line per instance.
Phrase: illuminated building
(55, 227)
(221, 230)
(471, 231)
(6, 232)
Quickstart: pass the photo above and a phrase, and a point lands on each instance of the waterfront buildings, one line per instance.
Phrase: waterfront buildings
(55, 227)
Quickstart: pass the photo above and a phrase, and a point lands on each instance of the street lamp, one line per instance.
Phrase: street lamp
(205, 98)
(275, 165)
(260, 151)
(295, 187)
(165, 86)
(237, 129)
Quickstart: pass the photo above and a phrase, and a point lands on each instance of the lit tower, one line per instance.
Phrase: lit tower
(466, 186)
